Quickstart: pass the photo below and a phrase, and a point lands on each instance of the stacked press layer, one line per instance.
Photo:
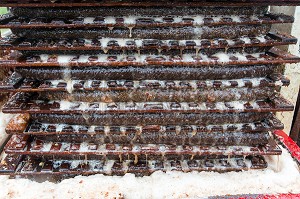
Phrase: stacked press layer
(117, 90)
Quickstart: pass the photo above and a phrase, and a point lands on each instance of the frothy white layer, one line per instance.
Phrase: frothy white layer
(198, 20)
(282, 176)
(64, 60)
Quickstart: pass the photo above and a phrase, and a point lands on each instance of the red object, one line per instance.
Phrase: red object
(282, 196)
(292, 147)
(260, 196)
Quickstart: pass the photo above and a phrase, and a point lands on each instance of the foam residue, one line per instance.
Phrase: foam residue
(217, 18)
(67, 79)
(236, 18)
(241, 57)
(237, 105)
(198, 32)
(282, 176)
(65, 105)
(223, 58)
(131, 20)
(193, 83)
(247, 40)
(139, 42)
(198, 20)
(104, 42)
(64, 60)
(88, 20)
(44, 57)
(110, 20)
(262, 39)
(230, 42)
(278, 83)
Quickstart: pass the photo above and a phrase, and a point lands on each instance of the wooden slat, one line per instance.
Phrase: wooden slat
(48, 3)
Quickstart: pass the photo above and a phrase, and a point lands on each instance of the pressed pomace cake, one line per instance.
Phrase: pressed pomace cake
(118, 87)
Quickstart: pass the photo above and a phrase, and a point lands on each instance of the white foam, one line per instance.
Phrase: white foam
(198, 32)
(223, 57)
(64, 58)
(230, 42)
(88, 42)
(187, 58)
(247, 40)
(68, 80)
(282, 176)
(198, 20)
(131, 20)
(110, 20)
(88, 20)
(236, 18)
(44, 57)
(177, 19)
(221, 106)
(256, 81)
(262, 39)
(122, 42)
(139, 43)
(83, 58)
(239, 105)
(55, 82)
(217, 18)
(278, 83)
(65, 105)
(241, 57)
